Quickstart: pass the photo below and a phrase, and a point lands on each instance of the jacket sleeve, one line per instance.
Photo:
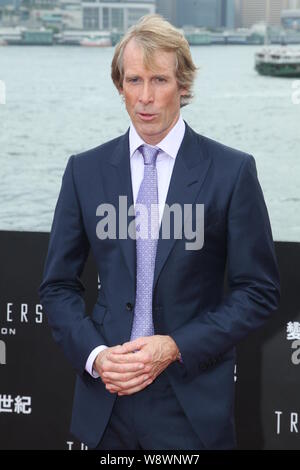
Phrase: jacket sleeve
(61, 291)
(253, 279)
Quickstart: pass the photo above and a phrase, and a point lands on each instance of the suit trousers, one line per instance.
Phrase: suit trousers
(151, 419)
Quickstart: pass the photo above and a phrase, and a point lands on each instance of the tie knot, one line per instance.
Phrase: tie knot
(149, 154)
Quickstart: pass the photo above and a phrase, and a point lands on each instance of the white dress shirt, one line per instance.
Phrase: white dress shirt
(165, 161)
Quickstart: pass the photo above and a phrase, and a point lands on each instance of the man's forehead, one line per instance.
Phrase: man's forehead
(161, 60)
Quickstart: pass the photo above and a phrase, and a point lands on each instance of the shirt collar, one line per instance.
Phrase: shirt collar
(170, 144)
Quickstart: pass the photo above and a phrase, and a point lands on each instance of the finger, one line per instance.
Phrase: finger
(121, 376)
(123, 367)
(135, 389)
(131, 357)
(128, 385)
(117, 348)
(138, 356)
(131, 346)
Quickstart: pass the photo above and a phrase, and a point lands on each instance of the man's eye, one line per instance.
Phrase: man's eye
(160, 79)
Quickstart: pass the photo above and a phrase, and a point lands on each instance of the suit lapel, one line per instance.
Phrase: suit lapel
(189, 172)
(119, 178)
(190, 168)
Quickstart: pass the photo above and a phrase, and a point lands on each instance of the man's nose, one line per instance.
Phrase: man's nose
(146, 95)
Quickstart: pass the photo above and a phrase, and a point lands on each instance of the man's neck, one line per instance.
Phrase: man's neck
(156, 139)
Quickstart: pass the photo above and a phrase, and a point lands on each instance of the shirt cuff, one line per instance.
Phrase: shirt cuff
(89, 363)
(179, 358)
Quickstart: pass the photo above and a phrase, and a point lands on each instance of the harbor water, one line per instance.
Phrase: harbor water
(61, 100)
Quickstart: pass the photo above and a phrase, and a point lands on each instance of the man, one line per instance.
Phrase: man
(155, 360)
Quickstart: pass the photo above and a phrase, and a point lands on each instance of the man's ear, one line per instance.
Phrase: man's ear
(183, 92)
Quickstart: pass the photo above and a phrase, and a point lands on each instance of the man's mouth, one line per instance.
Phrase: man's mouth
(146, 116)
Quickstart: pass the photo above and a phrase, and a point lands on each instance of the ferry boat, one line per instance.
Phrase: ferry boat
(279, 62)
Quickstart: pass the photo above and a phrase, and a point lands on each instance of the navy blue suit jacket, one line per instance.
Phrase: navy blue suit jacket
(189, 303)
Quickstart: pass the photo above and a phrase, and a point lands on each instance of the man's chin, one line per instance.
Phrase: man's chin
(150, 128)
(150, 134)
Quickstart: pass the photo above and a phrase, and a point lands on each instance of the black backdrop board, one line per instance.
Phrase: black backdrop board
(268, 368)
(36, 385)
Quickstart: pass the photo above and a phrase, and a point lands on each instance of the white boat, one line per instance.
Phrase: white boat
(278, 62)
(95, 42)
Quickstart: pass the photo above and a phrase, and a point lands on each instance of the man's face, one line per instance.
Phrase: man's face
(152, 97)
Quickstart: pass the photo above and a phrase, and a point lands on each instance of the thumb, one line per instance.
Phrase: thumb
(132, 346)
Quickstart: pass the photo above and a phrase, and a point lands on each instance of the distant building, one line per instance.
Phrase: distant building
(8, 12)
(227, 13)
(290, 19)
(267, 11)
(198, 13)
(44, 3)
(67, 17)
(14, 3)
(167, 9)
(294, 4)
(114, 15)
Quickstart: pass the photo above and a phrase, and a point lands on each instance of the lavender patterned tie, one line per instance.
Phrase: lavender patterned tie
(146, 245)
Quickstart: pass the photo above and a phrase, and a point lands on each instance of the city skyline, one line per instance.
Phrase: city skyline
(119, 15)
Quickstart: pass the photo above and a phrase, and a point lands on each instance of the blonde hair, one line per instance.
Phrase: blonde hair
(153, 33)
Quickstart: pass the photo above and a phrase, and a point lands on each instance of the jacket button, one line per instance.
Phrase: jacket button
(129, 306)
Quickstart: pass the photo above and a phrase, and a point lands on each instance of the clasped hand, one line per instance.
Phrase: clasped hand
(128, 368)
